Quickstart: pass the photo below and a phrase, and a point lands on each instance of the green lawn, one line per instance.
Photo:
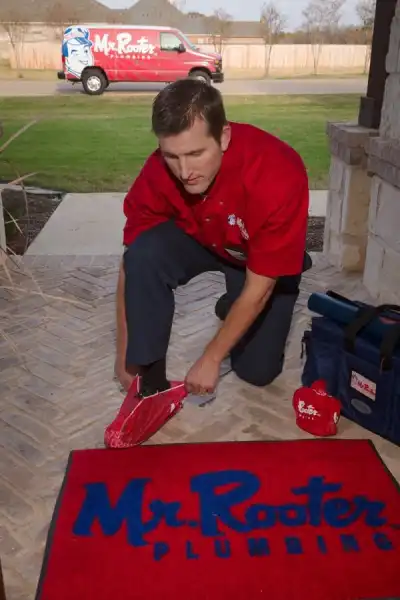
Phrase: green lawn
(99, 144)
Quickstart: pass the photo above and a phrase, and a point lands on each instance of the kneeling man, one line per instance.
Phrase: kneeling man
(215, 196)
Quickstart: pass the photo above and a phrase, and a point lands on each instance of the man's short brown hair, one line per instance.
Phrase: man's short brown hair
(178, 105)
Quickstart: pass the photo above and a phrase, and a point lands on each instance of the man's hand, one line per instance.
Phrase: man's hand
(202, 378)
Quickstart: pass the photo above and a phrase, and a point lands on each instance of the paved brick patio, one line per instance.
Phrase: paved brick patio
(58, 393)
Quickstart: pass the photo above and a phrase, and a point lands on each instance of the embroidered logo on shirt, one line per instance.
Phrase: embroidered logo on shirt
(242, 228)
(234, 220)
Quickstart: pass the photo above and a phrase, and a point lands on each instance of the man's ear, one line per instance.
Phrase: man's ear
(226, 137)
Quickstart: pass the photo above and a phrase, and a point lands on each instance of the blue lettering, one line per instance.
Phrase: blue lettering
(129, 507)
(258, 547)
(315, 490)
(160, 550)
(322, 545)
(214, 506)
(190, 553)
(382, 542)
(219, 496)
(349, 543)
(222, 548)
(293, 515)
(336, 512)
(260, 516)
(167, 510)
(293, 545)
(373, 509)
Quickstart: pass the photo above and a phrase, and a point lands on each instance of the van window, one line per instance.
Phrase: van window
(169, 41)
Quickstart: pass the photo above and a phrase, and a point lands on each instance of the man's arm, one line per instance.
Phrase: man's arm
(124, 374)
(251, 302)
(275, 249)
(122, 336)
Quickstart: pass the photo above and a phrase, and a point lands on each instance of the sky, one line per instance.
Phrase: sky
(249, 10)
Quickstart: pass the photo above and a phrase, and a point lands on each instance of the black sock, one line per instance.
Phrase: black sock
(154, 378)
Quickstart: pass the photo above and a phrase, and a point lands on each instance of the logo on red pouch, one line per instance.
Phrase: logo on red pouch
(316, 411)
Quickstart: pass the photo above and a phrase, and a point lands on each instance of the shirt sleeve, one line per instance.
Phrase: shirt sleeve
(279, 217)
(145, 205)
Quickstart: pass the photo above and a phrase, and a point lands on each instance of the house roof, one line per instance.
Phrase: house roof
(50, 10)
(143, 12)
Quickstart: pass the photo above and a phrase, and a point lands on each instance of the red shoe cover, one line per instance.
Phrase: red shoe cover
(140, 418)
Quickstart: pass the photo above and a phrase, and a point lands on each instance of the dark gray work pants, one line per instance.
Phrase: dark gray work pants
(163, 258)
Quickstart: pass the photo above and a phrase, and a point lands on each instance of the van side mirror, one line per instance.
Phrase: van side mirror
(181, 48)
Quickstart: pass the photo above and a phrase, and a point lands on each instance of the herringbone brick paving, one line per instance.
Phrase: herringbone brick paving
(58, 393)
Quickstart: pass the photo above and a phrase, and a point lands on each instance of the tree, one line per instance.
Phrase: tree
(272, 23)
(220, 28)
(16, 29)
(60, 16)
(366, 13)
(322, 20)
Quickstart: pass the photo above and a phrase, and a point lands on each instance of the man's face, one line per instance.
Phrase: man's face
(194, 156)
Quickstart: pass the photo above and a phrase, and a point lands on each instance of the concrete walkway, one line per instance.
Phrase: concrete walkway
(91, 224)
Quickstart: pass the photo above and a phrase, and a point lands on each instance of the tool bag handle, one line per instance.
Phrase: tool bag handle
(364, 316)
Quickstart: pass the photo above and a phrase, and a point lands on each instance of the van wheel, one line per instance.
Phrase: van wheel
(94, 82)
(202, 76)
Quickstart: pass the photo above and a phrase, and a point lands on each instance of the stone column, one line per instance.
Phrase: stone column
(382, 267)
(346, 230)
(371, 104)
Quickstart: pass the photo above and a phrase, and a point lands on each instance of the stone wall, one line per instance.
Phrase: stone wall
(382, 266)
(362, 230)
(346, 225)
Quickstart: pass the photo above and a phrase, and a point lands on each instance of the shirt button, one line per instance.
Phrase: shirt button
(221, 203)
(207, 220)
(214, 245)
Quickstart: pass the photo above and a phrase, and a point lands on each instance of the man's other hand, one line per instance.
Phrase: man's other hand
(124, 377)
(203, 377)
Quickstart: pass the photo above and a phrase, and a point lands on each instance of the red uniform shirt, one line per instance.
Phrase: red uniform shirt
(255, 213)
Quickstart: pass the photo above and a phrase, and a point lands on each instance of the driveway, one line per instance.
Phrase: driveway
(231, 87)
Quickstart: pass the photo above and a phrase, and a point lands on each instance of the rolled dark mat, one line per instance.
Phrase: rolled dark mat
(344, 311)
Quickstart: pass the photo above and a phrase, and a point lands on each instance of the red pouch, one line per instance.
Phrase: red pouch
(316, 411)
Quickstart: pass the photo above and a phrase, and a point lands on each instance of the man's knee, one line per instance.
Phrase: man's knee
(259, 358)
(146, 250)
(260, 373)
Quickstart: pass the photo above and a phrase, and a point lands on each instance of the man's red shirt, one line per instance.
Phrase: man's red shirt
(255, 214)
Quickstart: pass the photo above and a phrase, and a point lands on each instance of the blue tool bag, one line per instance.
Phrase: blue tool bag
(355, 348)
